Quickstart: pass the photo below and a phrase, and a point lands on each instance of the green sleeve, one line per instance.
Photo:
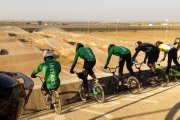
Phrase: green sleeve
(38, 69)
(75, 60)
(109, 57)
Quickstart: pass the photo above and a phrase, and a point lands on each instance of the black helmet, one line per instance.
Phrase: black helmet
(158, 43)
(12, 98)
(137, 44)
(79, 45)
(110, 46)
(177, 41)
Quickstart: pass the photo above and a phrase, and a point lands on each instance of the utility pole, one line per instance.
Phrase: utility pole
(88, 29)
(167, 22)
(116, 28)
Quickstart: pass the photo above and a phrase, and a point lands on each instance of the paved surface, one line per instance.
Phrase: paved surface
(154, 103)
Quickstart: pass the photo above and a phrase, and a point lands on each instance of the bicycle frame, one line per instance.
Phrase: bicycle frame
(42, 80)
(141, 75)
(138, 66)
(113, 71)
(90, 85)
(117, 83)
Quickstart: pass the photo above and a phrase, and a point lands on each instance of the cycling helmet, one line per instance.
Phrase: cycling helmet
(158, 43)
(79, 45)
(47, 53)
(176, 41)
(137, 44)
(12, 98)
(110, 46)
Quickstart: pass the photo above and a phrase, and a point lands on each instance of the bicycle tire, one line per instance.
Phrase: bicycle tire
(100, 97)
(134, 85)
(82, 94)
(48, 102)
(162, 78)
(56, 102)
(113, 86)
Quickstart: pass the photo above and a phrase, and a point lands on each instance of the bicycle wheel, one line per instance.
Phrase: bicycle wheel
(113, 86)
(48, 100)
(133, 85)
(82, 93)
(56, 101)
(162, 78)
(98, 92)
(174, 74)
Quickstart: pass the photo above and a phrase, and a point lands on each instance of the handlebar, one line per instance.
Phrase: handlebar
(138, 65)
(112, 70)
(41, 78)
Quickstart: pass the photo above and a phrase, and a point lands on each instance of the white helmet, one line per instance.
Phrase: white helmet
(47, 53)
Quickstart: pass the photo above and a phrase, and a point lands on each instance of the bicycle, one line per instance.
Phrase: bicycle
(93, 88)
(146, 78)
(131, 83)
(52, 98)
(173, 73)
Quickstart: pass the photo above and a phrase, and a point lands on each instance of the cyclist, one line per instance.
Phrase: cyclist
(89, 58)
(151, 53)
(124, 56)
(51, 70)
(172, 54)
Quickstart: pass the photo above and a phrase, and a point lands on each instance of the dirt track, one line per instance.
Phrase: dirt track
(24, 49)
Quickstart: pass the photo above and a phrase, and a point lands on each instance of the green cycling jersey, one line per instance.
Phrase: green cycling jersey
(51, 70)
(85, 53)
(118, 51)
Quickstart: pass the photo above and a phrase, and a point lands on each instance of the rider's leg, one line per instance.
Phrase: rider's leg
(121, 65)
(175, 57)
(84, 78)
(152, 66)
(128, 64)
(152, 58)
(85, 73)
(44, 88)
(91, 72)
(170, 57)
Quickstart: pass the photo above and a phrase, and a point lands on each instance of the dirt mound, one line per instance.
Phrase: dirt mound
(66, 52)
(11, 29)
(52, 30)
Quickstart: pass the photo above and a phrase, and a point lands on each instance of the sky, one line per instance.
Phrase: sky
(90, 10)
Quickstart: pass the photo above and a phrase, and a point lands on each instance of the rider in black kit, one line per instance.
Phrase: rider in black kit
(151, 53)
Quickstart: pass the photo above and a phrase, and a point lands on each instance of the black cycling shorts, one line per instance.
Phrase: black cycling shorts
(88, 65)
(153, 55)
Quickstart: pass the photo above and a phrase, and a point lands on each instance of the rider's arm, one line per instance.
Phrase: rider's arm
(38, 69)
(135, 55)
(109, 57)
(75, 60)
(165, 54)
(145, 58)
